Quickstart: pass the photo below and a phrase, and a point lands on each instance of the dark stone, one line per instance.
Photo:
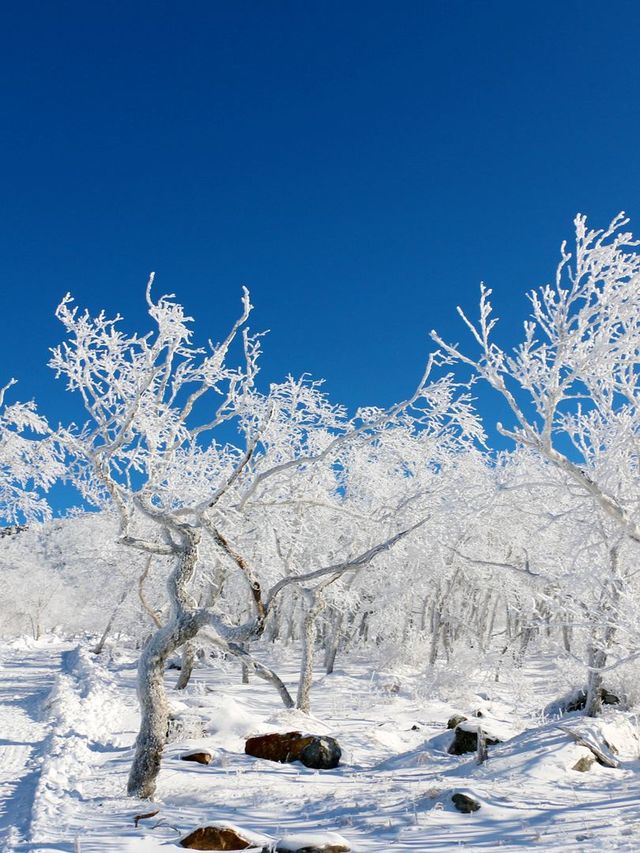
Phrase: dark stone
(199, 757)
(465, 804)
(216, 838)
(323, 753)
(315, 751)
(456, 720)
(577, 701)
(609, 698)
(467, 741)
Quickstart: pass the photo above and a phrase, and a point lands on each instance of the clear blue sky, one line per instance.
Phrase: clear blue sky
(360, 166)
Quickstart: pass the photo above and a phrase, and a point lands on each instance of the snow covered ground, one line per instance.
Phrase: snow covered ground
(68, 721)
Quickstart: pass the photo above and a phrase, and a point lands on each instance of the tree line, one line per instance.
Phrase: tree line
(398, 527)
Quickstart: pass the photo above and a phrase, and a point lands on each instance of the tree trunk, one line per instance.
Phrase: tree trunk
(567, 633)
(181, 628)
(155, 715)
(333, 643)
(436, 623)
(35, 627)
(598, 651)
(186, 665)
(97, 649)
(492, 622)
(481, 753)
(245, 669)
(597, 660)
(446, 640)
(330, 659)
(303, 701)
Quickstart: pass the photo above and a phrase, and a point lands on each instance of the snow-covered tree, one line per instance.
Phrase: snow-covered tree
(157, 406)
(30, 461)
(573, 390)
(573, 385)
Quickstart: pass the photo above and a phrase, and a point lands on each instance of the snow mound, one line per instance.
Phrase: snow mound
(548, 753)
(291, 843)
(228, 721)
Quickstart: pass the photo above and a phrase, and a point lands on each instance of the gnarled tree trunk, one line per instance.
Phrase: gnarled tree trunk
(181, 627)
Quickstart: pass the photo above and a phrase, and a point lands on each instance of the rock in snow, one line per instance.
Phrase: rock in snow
(318, 842)
(224, 837)
(576, 700)
(316, 751)
(465, 804)
(230, 837)
(465, 738)
(199, 756)
(322, 753)
(585, 763)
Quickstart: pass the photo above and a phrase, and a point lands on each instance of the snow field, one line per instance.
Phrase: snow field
(392, 792)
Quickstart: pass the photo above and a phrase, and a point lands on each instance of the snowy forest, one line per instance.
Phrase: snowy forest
(273, 623)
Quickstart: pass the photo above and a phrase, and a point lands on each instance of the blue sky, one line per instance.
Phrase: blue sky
(359, 166)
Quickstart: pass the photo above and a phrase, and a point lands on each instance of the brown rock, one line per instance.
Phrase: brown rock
(216, 838)
(198, 757)
(454, 721)
(316, 751)
(276, 746)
